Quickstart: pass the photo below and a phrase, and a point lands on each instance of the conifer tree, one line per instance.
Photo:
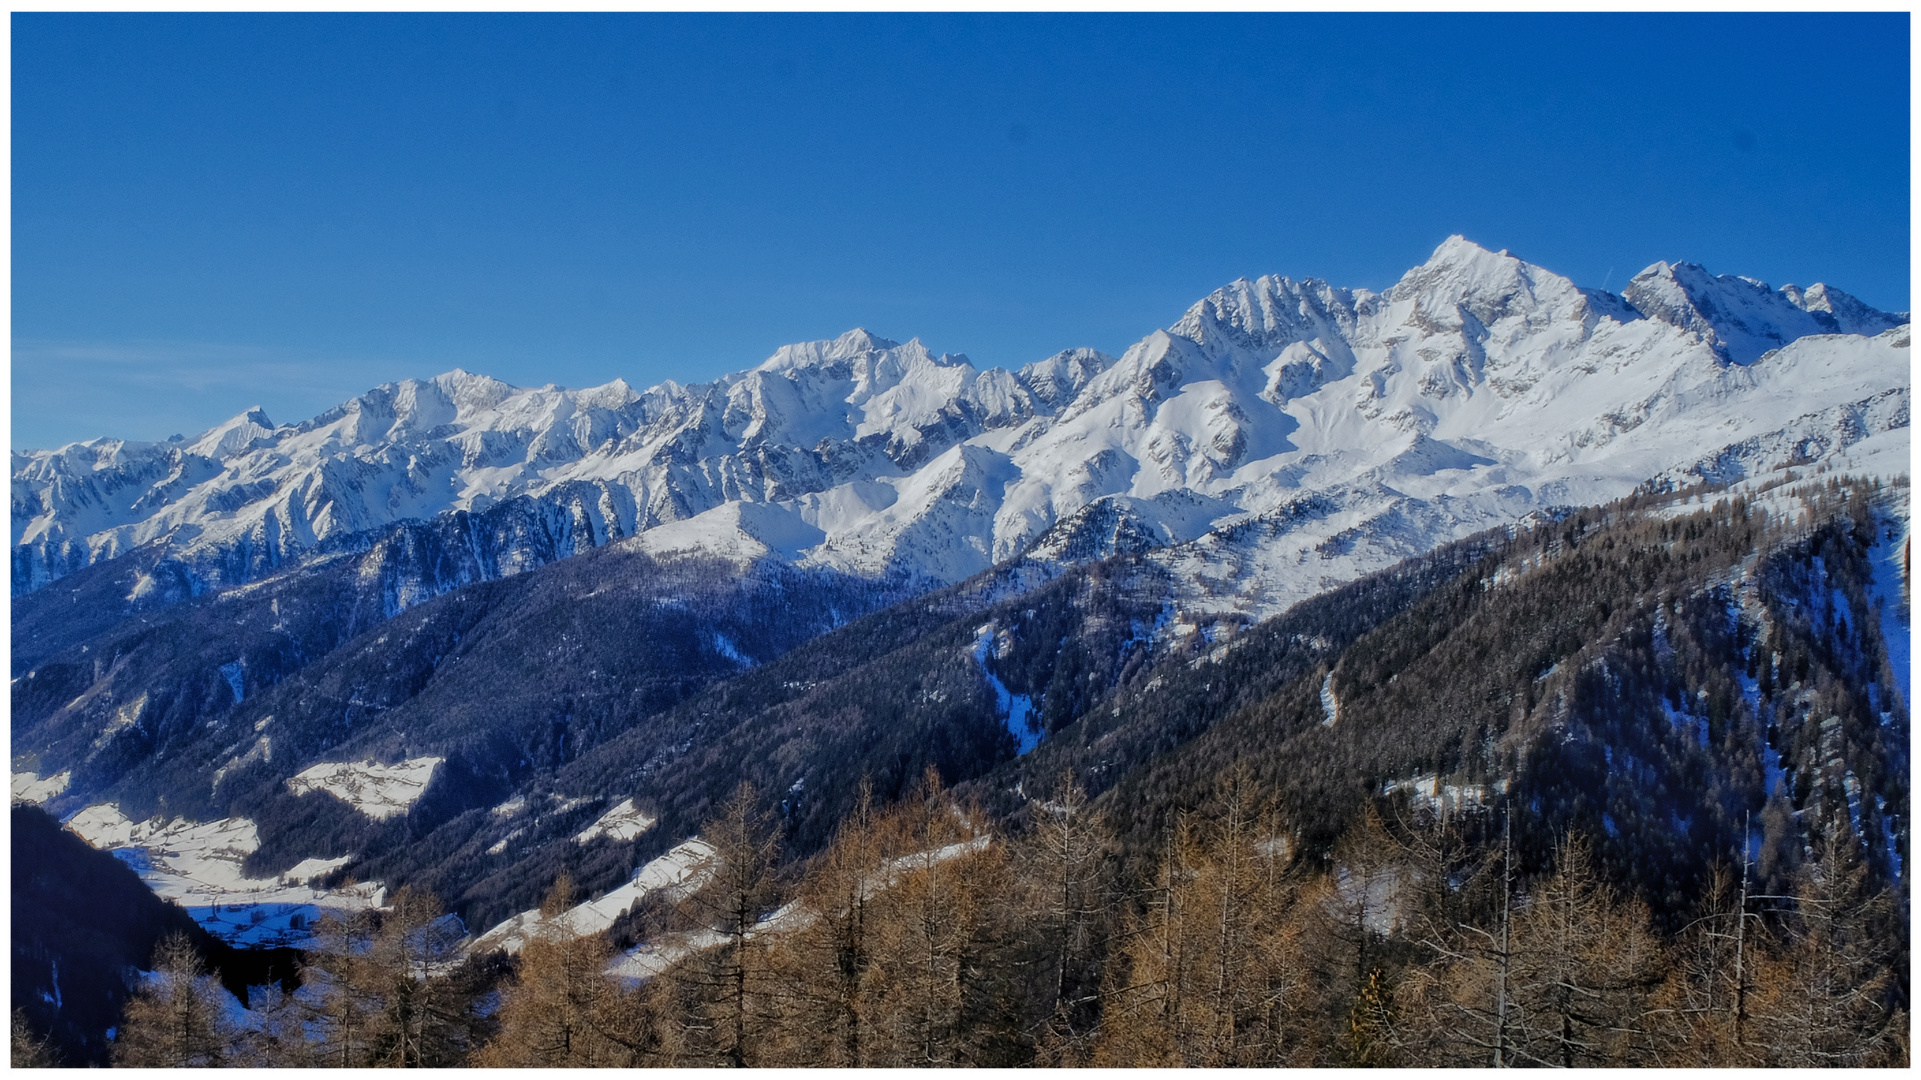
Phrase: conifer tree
(1062, 870)
(1212, 972)
(1143, 1021)
(561, 1009)
(1584, 966)
(1699, 1014)
(174, 1019)
(342, 992)
(1368, 872)
(826, 966)
(276, 1035)
(380, 987)
(939, 949)
(729, 987)
(30, 1051)
(1823, 1000)
(424, 1022)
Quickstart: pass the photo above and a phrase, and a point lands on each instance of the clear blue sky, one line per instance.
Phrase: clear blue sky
(211, 212)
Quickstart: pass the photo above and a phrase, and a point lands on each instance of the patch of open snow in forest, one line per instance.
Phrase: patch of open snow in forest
(378, 791)
(306, 869)
(1380, 903)
(1775, 774)
(1851, 787)
(680, 871)
(650, 958)
(725, 647)
(1890, 838)
(892, 869)
(209, 987)
(1888, 590)
(197, 865)
(28, 787)
(1017, 710)
(1428, 790)
(623, 822)
(236, 680)
(1695, 726)
(1773, 777)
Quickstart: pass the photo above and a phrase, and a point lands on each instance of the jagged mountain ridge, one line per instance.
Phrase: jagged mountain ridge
(615, 460)
(1281, 436)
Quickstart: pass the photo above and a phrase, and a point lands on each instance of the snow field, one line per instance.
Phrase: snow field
(648, 959)
(29, 787)
(197, 865)
(623, 822)
(1016, 710)
(376, 790)
(1430, 791)
(680, 871)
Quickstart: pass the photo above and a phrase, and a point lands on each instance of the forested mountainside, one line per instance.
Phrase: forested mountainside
(1284, 842)
(1655, 683)
(83, 926)
(190, 707)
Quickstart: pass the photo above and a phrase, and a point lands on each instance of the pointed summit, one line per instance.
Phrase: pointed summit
(1850, 315)
(469, 389)
(858, 340)
(1055, 380)
(1489, 285)
(1460, 259)
(801, 355)
(612, 395)
(1267, 312)
(1458, 248)
(234, 436)
(1741, 318)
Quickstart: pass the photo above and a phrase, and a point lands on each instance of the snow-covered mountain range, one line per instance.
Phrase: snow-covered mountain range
(1281, 437)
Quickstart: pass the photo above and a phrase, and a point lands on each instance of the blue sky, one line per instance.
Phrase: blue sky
(212, 212)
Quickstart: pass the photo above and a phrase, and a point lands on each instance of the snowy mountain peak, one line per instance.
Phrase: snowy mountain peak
(235, 436)
(1267, 313)
(1741, 318)
(1291, 429)
(468, 390)
(1468, 266)
(613, 395)
(894, 388)
(1458, 251)
(1851, 316)
(1056, 380)
(852, 345)
(1462, 276)
(858, 341)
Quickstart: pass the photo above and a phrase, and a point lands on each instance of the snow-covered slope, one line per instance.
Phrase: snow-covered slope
(248, 495)
(683, 870)
(1280, 437)
(198, 866)
(376, 790)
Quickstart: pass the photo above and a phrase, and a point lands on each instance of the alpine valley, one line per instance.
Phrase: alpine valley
(1494, 565)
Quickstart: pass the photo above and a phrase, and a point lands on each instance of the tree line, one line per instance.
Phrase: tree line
(921, 937)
